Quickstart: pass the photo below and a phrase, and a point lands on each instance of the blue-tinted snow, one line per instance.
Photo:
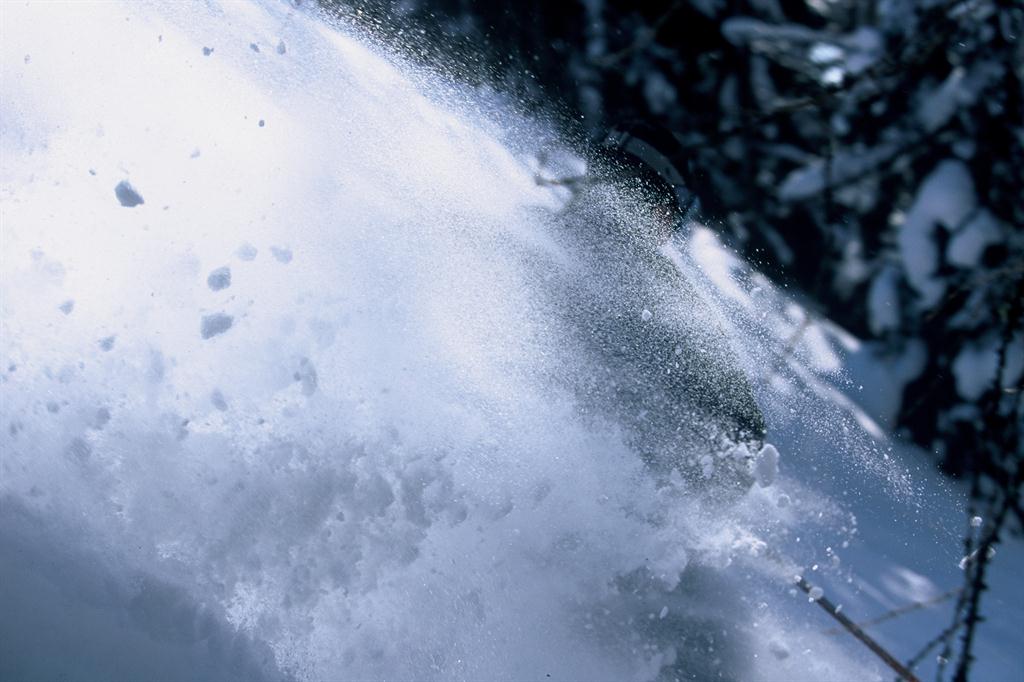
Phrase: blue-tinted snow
(376, 475)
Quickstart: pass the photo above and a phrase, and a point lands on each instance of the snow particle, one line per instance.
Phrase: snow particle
(663, 613)
(283, 255)
(254, 47)
(219, 279)
(281, 49)
(107, 343)
(215, 324)
(127, 195)
(262, 123)
(207, 51)
(67, 306)
(976, 522)
(646, 315)
(815, 594)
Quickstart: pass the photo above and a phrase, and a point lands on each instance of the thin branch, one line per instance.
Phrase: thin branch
(931, 644)
(857, 632)
(897, 612)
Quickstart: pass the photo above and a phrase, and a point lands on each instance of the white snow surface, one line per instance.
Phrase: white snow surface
(291, 416)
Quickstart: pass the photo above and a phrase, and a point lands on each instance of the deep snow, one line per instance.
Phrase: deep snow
(285, 393)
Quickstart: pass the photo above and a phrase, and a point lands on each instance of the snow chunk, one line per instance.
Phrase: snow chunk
(127, 195)
(215, 324)
(67, 306)
(970, 558)
(766, 465)
(646, 315)
(815, 593)
(246, 252)
(219, 278)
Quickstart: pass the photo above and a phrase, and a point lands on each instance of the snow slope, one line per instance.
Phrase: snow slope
(277, 389)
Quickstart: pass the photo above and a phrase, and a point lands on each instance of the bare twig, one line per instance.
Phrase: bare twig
(857, 632)
(896, 613)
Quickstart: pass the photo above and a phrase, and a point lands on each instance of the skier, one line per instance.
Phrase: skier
(670, 376)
